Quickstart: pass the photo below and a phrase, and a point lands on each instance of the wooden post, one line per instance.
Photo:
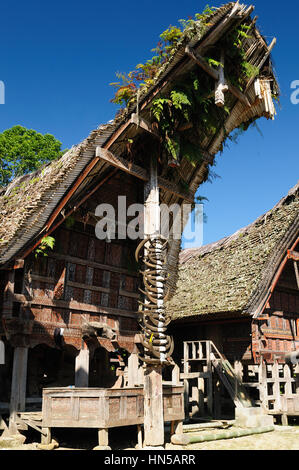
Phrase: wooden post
(276, 385)
(46, 436)
(153, 407)
(133, 364)
(186, 382)
(103, 437)
(220, 86)
(238, 368)
(8, 294)
(210, 379)
(175, 375)
(297, 378)
(2, 353)
(195, 400)
(263, 388)
(82, 368)
(18, 386)
(153, 389)
(201, 395)
(139, 436)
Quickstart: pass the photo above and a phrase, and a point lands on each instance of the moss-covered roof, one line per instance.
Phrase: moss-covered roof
(232, 274)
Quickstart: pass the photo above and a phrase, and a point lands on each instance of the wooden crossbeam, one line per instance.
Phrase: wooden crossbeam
(142, 174)
(293, 255)
(215, 74)
(122, 164)
(296, 272)
(140, 122)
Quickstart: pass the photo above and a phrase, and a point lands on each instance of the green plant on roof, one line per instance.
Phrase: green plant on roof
(144, 74)
(187, 111)
(46, 244)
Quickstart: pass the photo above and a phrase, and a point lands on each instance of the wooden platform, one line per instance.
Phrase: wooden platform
(104, 408)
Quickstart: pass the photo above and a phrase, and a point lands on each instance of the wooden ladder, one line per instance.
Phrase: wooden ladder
(205, 352)
(229, 378)
(32, 419)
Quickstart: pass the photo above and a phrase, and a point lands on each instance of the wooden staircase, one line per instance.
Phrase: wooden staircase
(230, 379)
(25, 419)
(201, 360)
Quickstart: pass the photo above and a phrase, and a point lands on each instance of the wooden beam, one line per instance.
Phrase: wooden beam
(82, 368)
(215, 74)
(54, 227)
(143, 124)
(72, 305)
(142, 174)
(173, 188)
(67, 197)
(216, 33)
(18, 385)
(122, 164)
(296, 272)
(293, 255)
(202, 63)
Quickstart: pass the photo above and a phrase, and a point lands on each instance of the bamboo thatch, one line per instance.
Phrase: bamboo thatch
(234, 274)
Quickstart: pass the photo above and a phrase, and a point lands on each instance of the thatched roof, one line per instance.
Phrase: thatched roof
(29, 201)
(234, 274)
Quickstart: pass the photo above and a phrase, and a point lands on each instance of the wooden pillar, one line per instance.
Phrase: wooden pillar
(276, 385)
(2, 353)
(153, 407)
(195, 400)
(186, 381)
(139, 436)
(297, 378)
(46, 436)
(82, 368)
(133, 364)
(175, 375)
(153, 389)
(103, 437)
(7, 306)
(263, 388)
(238, 368)
(210, 380)
(18, 386)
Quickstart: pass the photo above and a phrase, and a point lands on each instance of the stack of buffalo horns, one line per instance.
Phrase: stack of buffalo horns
(158, 347)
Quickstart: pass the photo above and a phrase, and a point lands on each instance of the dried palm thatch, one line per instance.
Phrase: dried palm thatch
(27, 204)
(234, 274)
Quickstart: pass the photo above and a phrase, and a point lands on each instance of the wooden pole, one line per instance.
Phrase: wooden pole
(153, 407)
(153, 389)
(133, 365)
(82, 368)
(18, 386)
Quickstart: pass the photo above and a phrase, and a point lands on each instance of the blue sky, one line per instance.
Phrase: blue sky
(58, 58)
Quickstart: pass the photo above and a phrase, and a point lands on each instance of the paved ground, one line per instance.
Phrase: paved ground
(283, 438)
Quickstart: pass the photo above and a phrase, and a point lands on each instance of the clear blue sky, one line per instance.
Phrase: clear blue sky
(58, 58)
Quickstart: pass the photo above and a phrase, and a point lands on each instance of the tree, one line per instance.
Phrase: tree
(25, 150)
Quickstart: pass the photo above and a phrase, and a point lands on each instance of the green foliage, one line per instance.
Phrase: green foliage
(46, 243)
(144, 74)
(25, 150)
(188, 111)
